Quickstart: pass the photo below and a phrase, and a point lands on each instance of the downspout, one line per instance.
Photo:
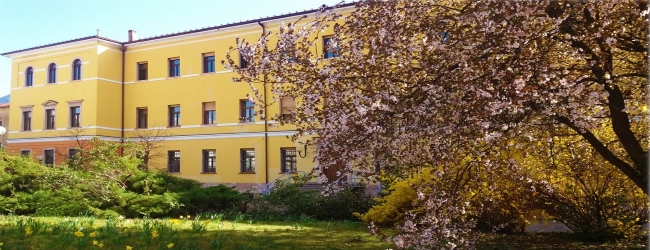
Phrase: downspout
(122, 125)
(266, 125)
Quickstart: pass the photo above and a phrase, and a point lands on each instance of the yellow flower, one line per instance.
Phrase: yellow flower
(93, 234)
(95, 227)
(129, 248)
(95, 243)
(154, 234)
(181, 217)
(79, 234)
(188, 217)
(170, 245)
(2, 243)
(28, 231)
(51, 223)
(100, 245)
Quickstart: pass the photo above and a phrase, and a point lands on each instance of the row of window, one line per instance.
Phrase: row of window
(50, 118)
(246, 113)
(246, 156)
(174, 65)
(51, 73)
(209, 159)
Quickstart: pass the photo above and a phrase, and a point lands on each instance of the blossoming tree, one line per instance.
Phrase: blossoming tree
(406, 83)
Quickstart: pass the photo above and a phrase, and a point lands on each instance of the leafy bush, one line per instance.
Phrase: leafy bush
(211, 199)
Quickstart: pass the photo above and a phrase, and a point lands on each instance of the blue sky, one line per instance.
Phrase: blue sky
(29, 23)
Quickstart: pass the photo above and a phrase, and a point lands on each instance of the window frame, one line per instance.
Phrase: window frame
(51, 73)
(25, 152)
(76, 69)
(29, 76)
(174, 118)
(286, 113)
(244, 109)
(75, 117)
(209, 114)
(26, 120)
(173, 161)
(209, 66)
(174, 69)
(142, 73)
(209, 162)
(327, 53)
(50, 119)
(72, 155)
(288, 166)
(243, 63)
(138, 118)
(246, 161)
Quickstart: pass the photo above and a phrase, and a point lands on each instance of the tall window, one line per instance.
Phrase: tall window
(287, 107)
(51, 73)
(288, 156)
(142, 114)
(75, 116)
(174, 67)
(27, 120)
(209, 113)
(208, 63)
(247, 161)
(50, 118)
(174, 161)
(242, 62)
(143, 67)
(209, 161)
(175, 116)
(246, 111)
(329, 47)
(76, 69)
(29, 77)
(48, 157)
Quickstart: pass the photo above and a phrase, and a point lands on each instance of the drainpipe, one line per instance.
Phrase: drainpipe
(266, 125)
(122, 125)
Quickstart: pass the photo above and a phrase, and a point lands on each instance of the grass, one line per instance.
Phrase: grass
(212, 232)
(29, 233)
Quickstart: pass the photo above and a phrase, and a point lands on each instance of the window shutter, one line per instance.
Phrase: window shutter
(287, 104)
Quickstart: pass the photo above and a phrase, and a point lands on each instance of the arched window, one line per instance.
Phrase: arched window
(76, 69)
(51, 73)
(29, 76)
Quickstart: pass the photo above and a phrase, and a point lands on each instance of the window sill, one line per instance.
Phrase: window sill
(208, 172)
(172, 77)
(145, 80)
(25, 131)
(141, 128)
(247, 173)
(292, 172)
(209, 125)
(49, 129)
(209, 73)
(174, 126)
(174, 173)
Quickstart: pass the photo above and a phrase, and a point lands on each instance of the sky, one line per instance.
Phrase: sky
(29, 23)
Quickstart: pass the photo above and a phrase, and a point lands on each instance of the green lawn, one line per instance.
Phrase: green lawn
(17, 232)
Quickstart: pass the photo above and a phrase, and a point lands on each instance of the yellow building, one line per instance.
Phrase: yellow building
(171, 84)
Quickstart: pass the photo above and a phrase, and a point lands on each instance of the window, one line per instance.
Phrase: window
(76, 70)
(246, 111)
(29, 77)
(27, 120)
(75, 116)
(174, 161)
(51, 73)
(330, 48)
(50, 118)
(72, 152)
(48, 157)
(142, 71)
(175, 116)
(209, 161)
(142, 117)
(288, 156)
(208, 63)
(247, 161)
(25, 152)
(242, 62)
(174, 67)
(209, 113)
(287, 107)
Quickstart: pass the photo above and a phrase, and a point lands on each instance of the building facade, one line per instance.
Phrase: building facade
(171, 85)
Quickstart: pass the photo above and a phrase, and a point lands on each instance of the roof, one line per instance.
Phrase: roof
(298, 13)
(4, 105)
(59, 43)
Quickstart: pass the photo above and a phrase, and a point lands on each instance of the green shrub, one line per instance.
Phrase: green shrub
(211, 199)
(133, 205)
